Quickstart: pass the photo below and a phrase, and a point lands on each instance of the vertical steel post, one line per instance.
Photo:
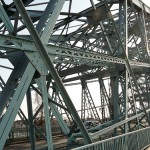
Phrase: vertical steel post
(120, 24)
(46, 113)
(30, 118)
(126, 50)
(145, 32)
(126, 73)
(116, 102)
(54, 110)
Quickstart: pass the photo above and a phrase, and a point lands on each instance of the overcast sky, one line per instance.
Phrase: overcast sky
(147, 2)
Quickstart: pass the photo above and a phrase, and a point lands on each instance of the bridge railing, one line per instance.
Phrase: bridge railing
(19, 134)
(136, 140)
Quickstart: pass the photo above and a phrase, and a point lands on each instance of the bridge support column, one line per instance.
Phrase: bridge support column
(30, 118)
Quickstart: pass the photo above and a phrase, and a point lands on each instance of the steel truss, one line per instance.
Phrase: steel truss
(51, 44)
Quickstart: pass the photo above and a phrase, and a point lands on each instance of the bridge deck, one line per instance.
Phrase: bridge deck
(61, 142)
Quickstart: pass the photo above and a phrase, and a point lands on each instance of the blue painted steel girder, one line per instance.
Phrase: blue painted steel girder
(87, 43)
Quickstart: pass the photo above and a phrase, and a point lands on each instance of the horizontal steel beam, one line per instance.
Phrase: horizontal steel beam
(56, 51)
(89, 76)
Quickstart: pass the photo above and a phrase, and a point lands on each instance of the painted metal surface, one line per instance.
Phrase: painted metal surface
(51, 44)
(135, 141)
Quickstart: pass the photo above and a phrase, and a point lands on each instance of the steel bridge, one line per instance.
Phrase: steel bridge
(52, 44)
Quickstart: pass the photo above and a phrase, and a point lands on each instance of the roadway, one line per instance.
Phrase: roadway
(58, 143)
